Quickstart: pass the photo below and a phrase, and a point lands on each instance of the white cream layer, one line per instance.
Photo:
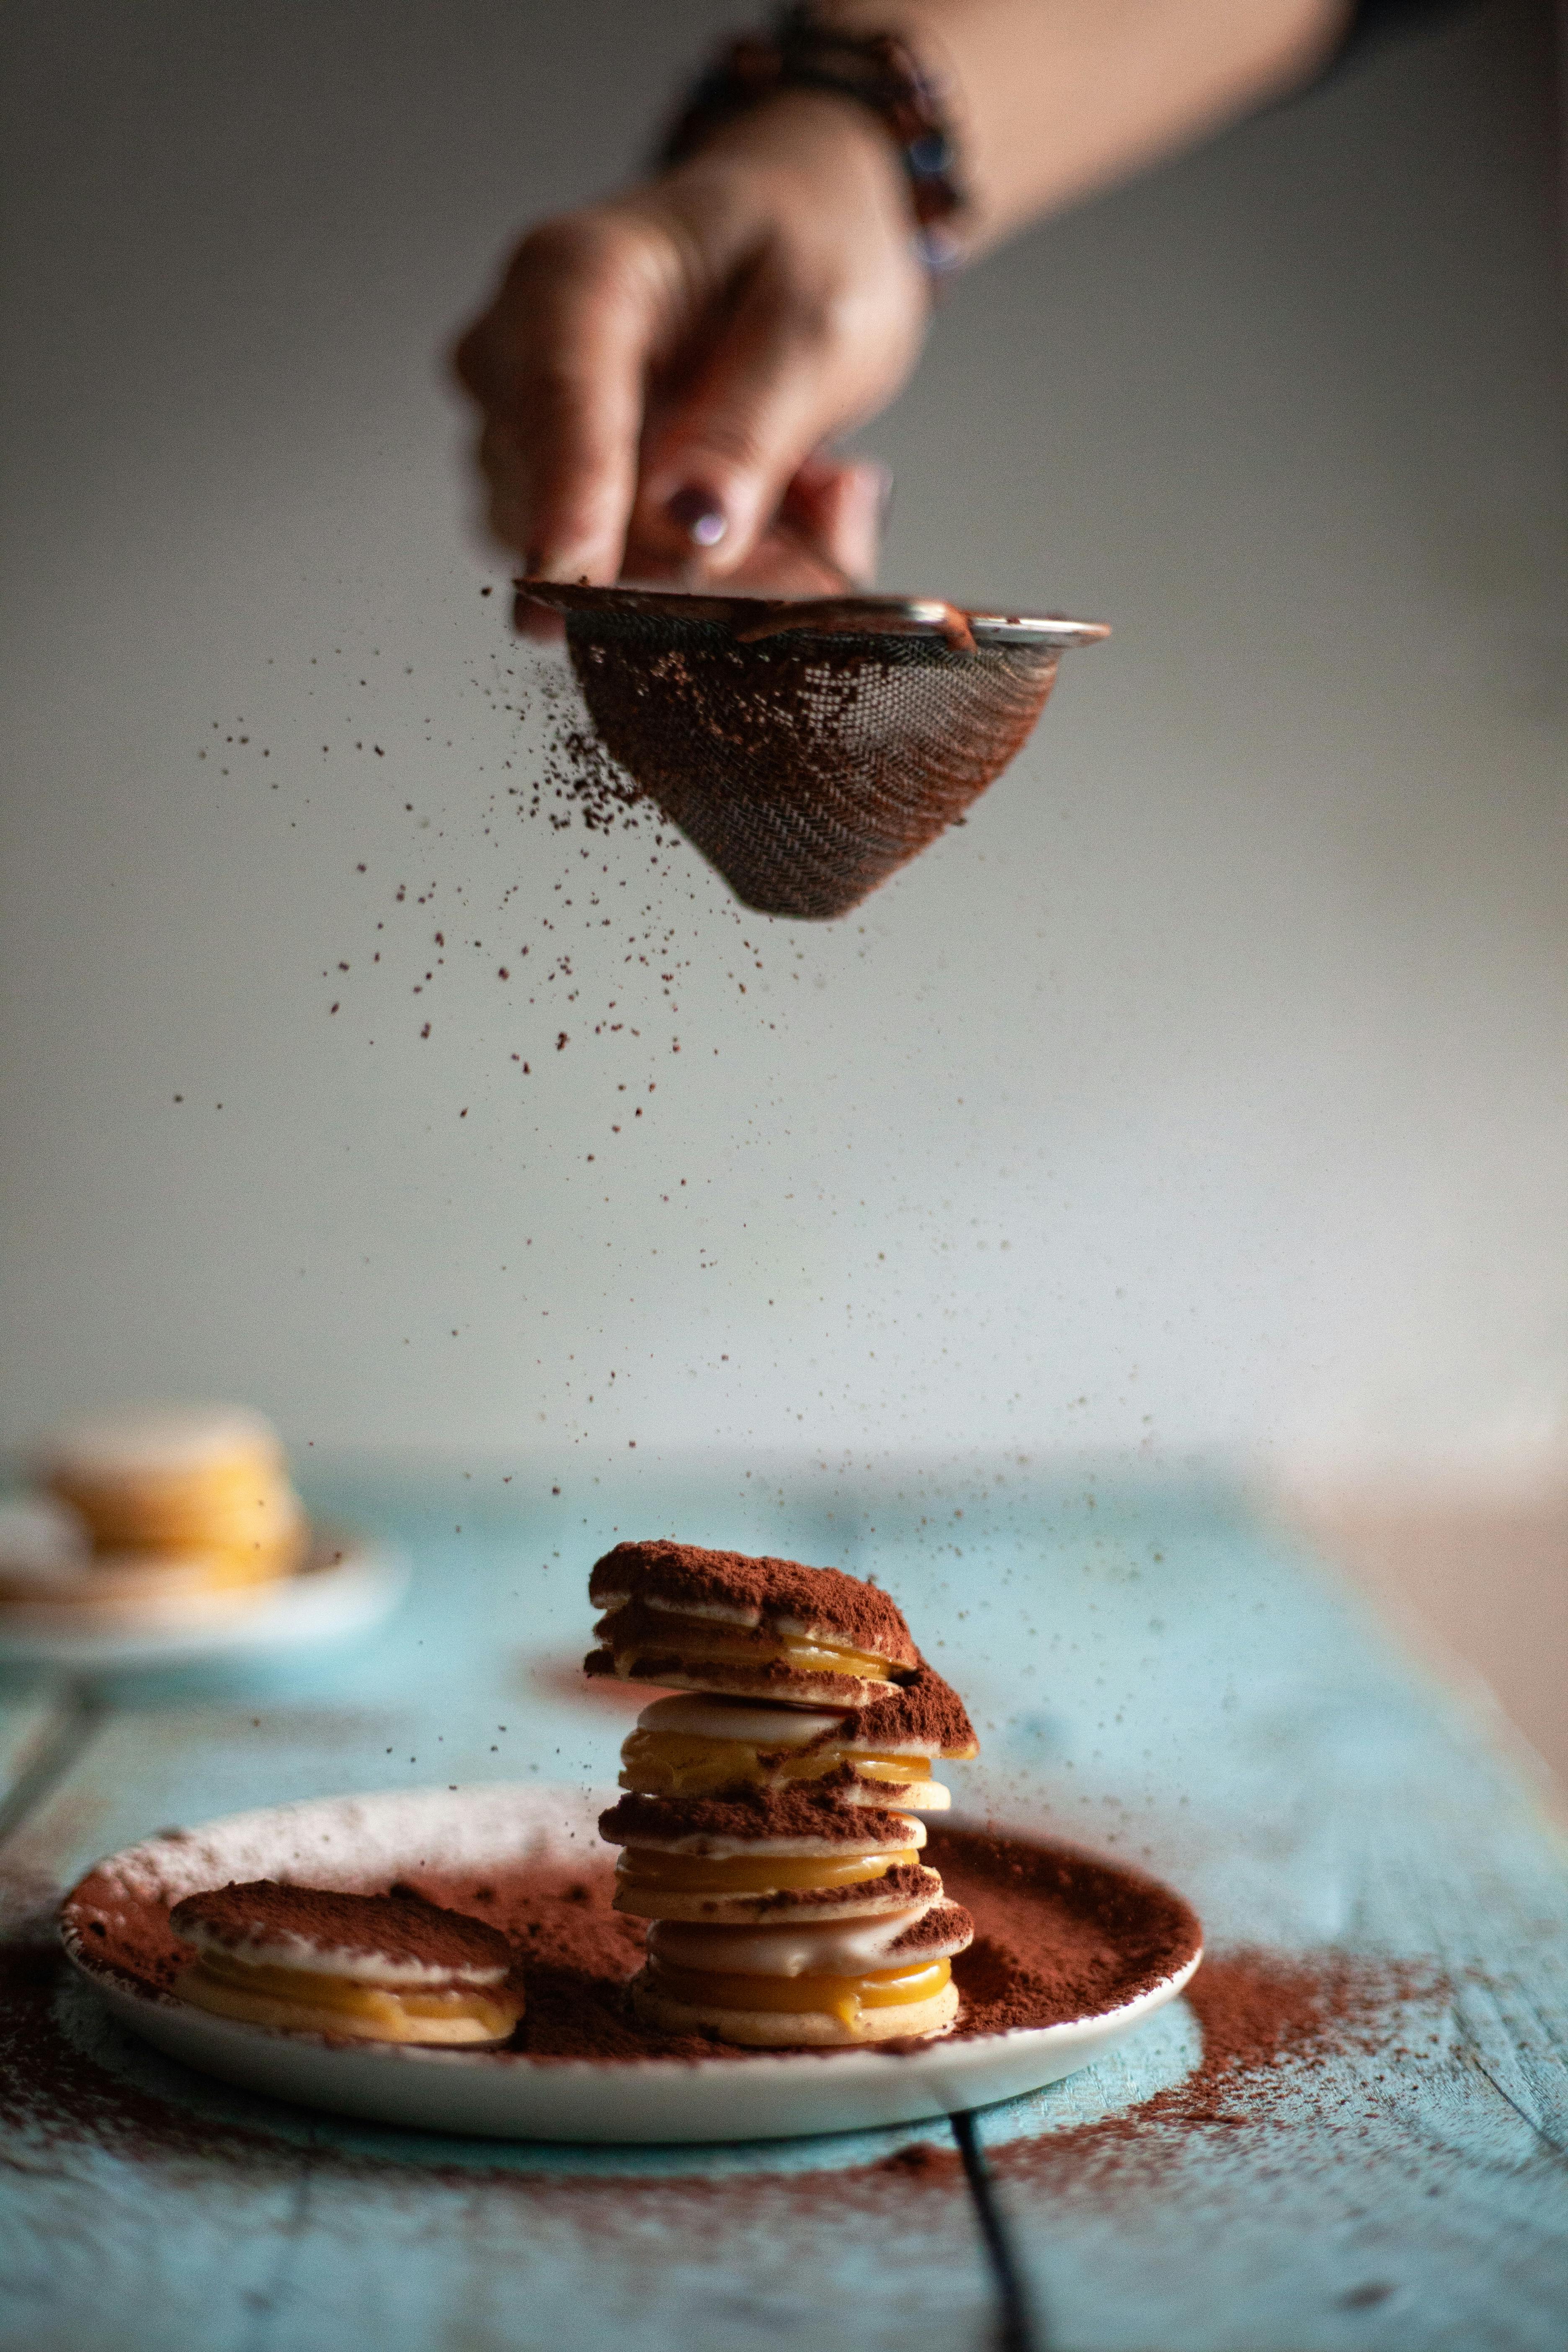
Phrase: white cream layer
(846, 1949)
(290, 1951)
(702, 1717)
(735, 1612)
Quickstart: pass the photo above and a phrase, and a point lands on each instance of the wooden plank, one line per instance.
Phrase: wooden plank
(178, 2212)
(1403, 2184)
(1424, 1558)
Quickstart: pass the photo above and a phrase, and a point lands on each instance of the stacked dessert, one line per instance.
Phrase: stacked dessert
(771, 1835)
(365, 1967)
(174, 1514)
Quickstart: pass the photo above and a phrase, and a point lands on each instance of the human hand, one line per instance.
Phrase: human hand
(657, 374)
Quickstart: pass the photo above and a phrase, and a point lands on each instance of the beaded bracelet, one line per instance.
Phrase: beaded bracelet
(878, 71)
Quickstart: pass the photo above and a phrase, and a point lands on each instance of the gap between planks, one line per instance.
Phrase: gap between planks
(81, 1716)
(1018, 2326)
(77, 1724)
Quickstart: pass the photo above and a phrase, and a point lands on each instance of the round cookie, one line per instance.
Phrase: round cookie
(825, 1986)
(758, 1855)
(938, 1930)
(767, 1629)
(761, 2029)
(370, 1968)
(695, 1744)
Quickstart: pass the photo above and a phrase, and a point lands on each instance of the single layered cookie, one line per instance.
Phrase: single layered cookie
(855, 1980)
(369, 1967)
(763, 1629)
(758, 1855)
(696, 1745)
(204, 1481)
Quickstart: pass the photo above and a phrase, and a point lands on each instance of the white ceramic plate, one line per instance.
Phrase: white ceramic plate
(346, 1586)
(350, 1841)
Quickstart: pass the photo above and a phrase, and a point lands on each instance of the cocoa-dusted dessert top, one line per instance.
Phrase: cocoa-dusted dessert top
(945, 1925)
(676, 1576)
(925, 1713)
(752, 1813)
(402, 1927)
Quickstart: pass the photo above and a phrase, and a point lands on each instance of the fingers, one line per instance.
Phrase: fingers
(787, 373)
(824, 539)
(558, 365)
(840, 509)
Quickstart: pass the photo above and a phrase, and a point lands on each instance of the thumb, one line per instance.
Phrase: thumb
(716, 467)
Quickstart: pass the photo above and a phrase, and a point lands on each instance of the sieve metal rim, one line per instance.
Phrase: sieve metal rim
(752, 618)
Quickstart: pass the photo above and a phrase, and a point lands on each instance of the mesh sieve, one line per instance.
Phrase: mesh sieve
(807, 749)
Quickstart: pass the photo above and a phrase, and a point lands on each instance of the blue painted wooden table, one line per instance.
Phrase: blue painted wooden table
(1153, 1672)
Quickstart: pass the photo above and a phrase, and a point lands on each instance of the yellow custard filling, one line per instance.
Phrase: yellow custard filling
(840, 1996)
(701, 1641)
(750, 1874)
(230, 1986)
(684, 1764)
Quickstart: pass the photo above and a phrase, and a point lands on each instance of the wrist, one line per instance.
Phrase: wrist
(871, 75)
(812, 164)
(814, 132)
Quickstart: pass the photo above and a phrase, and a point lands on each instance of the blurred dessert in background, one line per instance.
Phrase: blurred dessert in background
(209, 1479)
(154, 1516)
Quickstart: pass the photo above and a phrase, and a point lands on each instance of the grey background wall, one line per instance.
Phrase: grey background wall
(1204, 1095)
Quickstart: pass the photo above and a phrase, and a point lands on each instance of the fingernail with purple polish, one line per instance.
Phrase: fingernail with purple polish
(696, 513)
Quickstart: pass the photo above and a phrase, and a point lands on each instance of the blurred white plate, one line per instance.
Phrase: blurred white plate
(353, 1841)
(345, 1586)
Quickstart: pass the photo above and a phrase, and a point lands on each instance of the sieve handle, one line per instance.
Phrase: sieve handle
(904, 617)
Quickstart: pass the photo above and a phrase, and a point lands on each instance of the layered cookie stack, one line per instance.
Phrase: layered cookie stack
(771, 1832)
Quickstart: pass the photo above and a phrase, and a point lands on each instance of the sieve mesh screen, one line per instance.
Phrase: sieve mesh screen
(808, 762)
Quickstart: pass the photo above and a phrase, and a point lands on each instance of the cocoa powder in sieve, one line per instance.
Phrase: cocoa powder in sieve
(809, 766)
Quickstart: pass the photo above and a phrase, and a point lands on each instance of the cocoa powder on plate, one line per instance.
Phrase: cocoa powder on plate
(1057, 1933)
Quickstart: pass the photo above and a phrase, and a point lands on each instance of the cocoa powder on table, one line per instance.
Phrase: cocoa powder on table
(1274, 2024)
(1271, 2022)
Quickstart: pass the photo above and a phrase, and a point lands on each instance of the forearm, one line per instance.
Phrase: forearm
(1054, 98)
